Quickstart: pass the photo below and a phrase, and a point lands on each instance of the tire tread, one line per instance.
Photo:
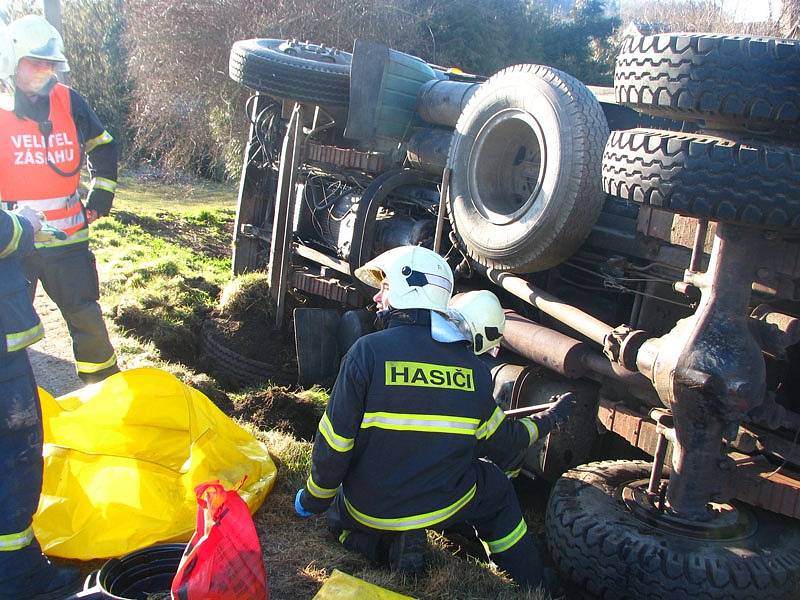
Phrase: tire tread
(705, 176)
(582, 195)
(288, 77)
(742, 82)
(621, 558)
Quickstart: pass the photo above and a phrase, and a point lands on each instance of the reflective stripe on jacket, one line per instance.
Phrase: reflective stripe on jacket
(16, 541)
(19, 324)
(407, 420)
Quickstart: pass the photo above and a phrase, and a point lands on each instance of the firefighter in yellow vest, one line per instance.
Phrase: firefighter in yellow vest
(44, 140)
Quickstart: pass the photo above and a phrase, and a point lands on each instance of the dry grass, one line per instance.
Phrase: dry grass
(246, 295)
(300, 554)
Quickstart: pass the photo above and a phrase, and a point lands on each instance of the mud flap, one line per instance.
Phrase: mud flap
(353, 325)
(315, 334)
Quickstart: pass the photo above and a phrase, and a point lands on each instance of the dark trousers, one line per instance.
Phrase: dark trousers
(494, 513)
(21, 464)
(69, 276)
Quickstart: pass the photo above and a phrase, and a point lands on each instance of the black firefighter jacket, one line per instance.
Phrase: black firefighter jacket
(19, 324)
(407, 420)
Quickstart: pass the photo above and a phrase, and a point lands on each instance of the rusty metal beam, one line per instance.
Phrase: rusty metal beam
(755, 480)
(563, 354)
(330, 288)
(367, 162)
(443, 194)
(573, 317)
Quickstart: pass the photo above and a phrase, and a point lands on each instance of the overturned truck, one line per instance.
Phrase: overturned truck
(644, 240)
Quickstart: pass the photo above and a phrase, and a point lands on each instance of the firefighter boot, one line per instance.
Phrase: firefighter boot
(407, 551)
(373, 545)
(523, 563)
(36, 578)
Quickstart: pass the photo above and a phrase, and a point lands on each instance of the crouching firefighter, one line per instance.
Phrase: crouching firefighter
(44, 138)
(397, 449)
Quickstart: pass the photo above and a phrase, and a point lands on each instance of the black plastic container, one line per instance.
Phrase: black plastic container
(135, 576)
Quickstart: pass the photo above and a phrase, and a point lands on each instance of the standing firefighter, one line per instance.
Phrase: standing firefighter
(397, 449)
(43, 141)
(24, 571)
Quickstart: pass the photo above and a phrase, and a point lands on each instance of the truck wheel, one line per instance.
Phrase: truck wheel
(704, 176)
(296, 71)
(613, 551)
(731, 82)
(235, 369)
(525, 164)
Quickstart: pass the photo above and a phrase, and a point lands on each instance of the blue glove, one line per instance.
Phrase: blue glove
(298, 507)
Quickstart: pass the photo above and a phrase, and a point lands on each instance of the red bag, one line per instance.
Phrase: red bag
(223, 559)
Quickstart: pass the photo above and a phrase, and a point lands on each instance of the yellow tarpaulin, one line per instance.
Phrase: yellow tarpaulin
(341, 586)
(122, 459)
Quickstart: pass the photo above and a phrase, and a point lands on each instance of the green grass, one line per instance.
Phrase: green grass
(316, 394)
(137, 195)
(162, 256)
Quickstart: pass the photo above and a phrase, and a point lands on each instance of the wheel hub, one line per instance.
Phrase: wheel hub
(508, 164)
(310, 51)
(725, 521)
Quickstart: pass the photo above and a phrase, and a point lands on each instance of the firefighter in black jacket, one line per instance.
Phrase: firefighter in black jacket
(44, 138)
(398, 446)
(24, 571)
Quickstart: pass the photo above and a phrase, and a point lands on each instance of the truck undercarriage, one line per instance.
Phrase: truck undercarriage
(652, 270)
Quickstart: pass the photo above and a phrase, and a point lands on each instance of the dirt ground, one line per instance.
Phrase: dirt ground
(278, 408)
(51, 358)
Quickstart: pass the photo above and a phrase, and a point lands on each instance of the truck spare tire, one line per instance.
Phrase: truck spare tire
(292, 70)
(525, 165)
(705, 176)
(730, 82)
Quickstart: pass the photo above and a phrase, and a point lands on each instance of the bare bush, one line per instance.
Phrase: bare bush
(189, 114)
(790, 18)
(707, 16)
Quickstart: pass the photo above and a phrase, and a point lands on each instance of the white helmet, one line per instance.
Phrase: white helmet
(478, 315)
(417, 277)
(8, 59)
(34, 37)
(8, 64)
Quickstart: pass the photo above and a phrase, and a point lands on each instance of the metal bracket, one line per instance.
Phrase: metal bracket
(622, 344)
(255, 233)
(284, 212)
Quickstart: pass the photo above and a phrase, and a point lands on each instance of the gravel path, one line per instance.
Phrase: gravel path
(51, 358)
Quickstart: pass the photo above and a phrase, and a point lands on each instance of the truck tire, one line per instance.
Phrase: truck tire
(294, 71)
(235, 369)
(600, 545)
(731, 82)
(705, 176)
(525, 164)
